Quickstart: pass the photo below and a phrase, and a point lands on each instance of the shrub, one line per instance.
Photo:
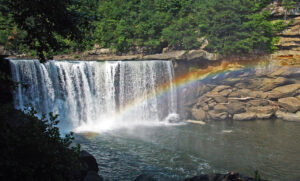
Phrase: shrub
(33, 149)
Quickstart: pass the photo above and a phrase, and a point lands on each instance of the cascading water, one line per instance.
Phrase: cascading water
(92, 96)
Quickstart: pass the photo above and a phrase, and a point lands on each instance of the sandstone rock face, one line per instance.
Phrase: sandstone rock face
(244, 116)
(220, 108)
(199, 114)
(287, 89)
(235, 107)
(200, 54)
(247, 95)
(291, 104)
(218, 116)
(171, 55)
(270, 83)
(263, 109)
(288, 116)
(286, 71)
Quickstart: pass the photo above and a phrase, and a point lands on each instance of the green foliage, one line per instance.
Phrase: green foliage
(41, 21)
(288, 4)
(33, 149)
(230, 26)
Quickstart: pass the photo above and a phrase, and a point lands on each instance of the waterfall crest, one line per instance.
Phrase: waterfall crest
(90, 96)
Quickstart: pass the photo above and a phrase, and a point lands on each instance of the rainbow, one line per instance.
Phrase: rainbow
(188, 79)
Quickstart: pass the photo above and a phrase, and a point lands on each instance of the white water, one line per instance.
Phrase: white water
(95, 96)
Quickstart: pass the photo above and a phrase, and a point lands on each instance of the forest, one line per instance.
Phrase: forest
(140, 26)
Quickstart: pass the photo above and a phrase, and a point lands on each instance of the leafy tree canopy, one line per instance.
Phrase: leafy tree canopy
(52, 26)
(41, 22)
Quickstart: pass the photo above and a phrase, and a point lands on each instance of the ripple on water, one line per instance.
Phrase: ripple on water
(173, 153)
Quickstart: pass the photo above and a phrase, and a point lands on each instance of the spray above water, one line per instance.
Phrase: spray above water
(95, 96)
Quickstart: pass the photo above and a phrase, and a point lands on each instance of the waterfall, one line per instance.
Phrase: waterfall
(91, 96)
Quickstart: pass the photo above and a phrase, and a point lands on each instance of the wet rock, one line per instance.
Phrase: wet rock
(244, 116)
(212, 104)
(241, 93)
(220, 99)
(220, 108)
(232, 81)
(199, 114)
(170, 55)
(286, 71)
(205, 107)
(258, 102)
(225, 93)
(93, 176)
(264, 116)
(291, 104)
(220, 88)
(235, 107)
(271, 83)
(144, 177)
(200, 54)
(258, 94)
(232, 176)
(287, 90)
(218, 116)
(274, 95)
(288, 116)
(90, 160)
(262, 109)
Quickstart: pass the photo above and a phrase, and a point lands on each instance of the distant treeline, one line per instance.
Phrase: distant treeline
(63, 26)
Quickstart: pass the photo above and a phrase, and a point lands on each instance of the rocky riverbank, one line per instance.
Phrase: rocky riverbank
(248, 94)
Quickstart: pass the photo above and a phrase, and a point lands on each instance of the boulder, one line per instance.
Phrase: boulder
(90, 160)
(170, 55)
(144, 177)
(199, 114)
(288, 116)
(263, 116)
(220, 108)
(241, 93)
(291, 104)
(286, 71)
(225, 93)
(220, 88)
(244, 116)
(232, 81)
(258, 94)
(212, 104)
(220, 99)
(218, 116)
(271, 83)
(205, 107)
(200, 54)
(258, 102)
(274, 95)
(92, 176)
(235, 107)
(287, 90)
(262, 109)
(232, 176)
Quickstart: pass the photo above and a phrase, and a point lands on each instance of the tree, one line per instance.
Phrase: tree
(32, 148)
(44, 21)
(288, 5)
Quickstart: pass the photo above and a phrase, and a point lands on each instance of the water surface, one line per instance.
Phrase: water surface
(176, 152)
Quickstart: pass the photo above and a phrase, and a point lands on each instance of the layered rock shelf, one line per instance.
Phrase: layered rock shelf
(273, 93)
